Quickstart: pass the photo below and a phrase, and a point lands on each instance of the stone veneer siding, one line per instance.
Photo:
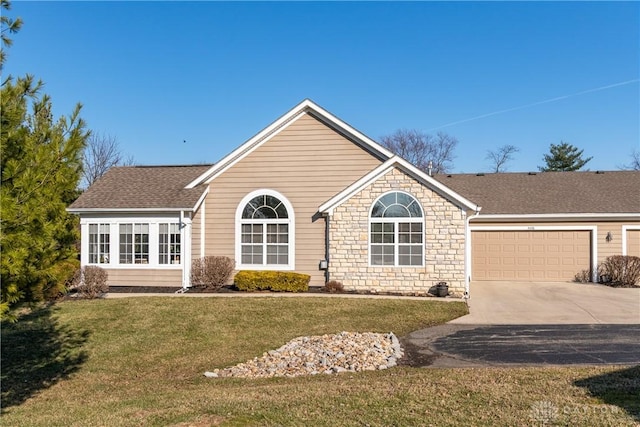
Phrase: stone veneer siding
(444, 242)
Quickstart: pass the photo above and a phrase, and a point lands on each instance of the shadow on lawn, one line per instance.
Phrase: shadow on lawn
(37, 352)
(619, 388)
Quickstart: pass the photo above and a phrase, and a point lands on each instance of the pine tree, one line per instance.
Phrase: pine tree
(563, 157)
(41, 160)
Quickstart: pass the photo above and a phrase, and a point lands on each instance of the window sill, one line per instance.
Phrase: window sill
(256, 267)
(139, 266)
(396, 266)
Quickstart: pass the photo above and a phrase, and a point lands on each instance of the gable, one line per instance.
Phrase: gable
(305, 107)
(410, 171)
(307, 161)
(308, 145)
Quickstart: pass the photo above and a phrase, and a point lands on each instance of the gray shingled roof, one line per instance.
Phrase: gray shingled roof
(550, 192)
(143, 187)
(162, 187)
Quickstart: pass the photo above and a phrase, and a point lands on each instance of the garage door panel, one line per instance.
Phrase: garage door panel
(537, 275)
(530, 255)
(537, 262)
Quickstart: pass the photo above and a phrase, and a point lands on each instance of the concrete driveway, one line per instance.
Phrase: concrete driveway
(538, 303)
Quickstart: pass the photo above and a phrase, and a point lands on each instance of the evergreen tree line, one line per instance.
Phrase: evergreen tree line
(41, 161)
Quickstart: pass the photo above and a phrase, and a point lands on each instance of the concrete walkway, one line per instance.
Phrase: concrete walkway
(538, 303)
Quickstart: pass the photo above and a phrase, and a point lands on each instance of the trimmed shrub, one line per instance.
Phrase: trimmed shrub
(278, 281)
(211, 272)
(333, 286)
(583, 276)
(90, 282)
(621, 271)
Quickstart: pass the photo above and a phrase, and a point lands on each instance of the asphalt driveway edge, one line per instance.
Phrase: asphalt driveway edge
(463, 346)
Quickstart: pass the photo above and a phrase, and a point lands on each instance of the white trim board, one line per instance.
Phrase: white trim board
(277, 126)
(405, 167)
(153, 233)
(557, 216)
(396, 244)
(592, 228)
(200, 200)
(146, 211)
(291, 221)
(203, 223)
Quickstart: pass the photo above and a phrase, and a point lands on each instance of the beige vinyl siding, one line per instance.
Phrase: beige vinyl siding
(614, 247)
(633, 242)
(195, 234)
(144, 277)
(308, 163)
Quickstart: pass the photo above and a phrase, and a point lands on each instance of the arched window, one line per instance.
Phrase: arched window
(396, 231)
(264, 235)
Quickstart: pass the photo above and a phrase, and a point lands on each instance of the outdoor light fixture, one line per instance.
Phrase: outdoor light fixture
(609, 237)
(324, 264)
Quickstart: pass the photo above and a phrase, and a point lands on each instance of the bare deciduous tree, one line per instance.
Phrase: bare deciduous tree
(501, 157)
(101, 153)
(635, 162)
(421, 148)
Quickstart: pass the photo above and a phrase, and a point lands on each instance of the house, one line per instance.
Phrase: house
(311, 194)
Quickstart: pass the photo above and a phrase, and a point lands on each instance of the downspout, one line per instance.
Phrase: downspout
(185, 239)
(467, 251)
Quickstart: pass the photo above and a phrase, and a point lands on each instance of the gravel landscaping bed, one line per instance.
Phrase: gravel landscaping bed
(321, 354)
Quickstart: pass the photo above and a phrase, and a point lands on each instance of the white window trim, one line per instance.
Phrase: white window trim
(626, 228)
(98, 243)
(114, 242)
(396, 221)
(292, 233)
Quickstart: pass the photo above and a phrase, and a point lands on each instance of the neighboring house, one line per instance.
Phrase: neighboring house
(311, 194)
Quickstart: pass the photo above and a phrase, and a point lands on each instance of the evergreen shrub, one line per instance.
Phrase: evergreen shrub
(278, 281)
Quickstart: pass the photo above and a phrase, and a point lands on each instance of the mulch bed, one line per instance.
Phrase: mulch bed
(228, 290)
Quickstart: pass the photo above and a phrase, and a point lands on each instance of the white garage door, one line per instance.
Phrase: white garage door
(529, 255)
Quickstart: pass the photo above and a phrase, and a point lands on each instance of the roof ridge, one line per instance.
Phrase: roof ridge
(168, 166)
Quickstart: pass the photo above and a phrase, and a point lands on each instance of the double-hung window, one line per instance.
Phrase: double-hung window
(99, 243)
(396, 231)
(265, 232)
(169, 243)
(134, 243)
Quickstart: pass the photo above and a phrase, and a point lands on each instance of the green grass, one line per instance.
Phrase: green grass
(140, 361)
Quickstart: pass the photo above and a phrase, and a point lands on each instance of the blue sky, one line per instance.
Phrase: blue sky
(153, 74)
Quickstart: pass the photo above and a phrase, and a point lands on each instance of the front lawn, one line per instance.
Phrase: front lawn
(140, 361)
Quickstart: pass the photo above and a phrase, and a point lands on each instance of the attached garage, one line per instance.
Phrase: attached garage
(528, 255)
(632, 242)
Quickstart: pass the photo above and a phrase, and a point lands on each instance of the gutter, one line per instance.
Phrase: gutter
(116, 210)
